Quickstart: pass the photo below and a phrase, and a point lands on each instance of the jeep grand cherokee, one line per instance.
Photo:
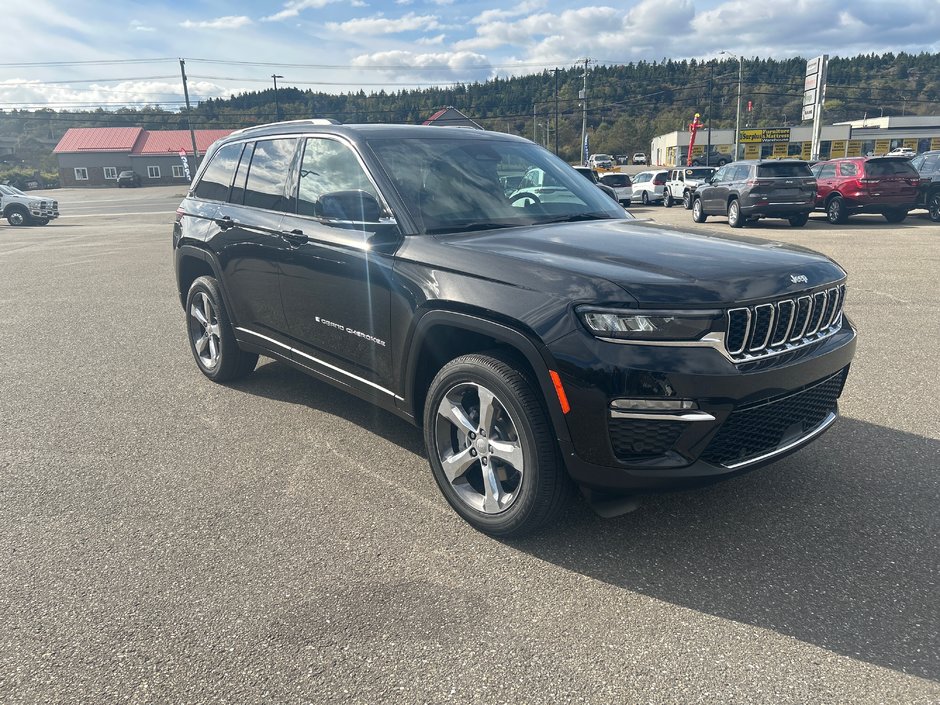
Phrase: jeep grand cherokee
(536, 341)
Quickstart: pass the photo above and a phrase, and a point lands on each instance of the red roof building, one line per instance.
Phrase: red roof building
(94, 156)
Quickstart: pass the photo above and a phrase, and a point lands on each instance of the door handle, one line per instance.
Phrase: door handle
(225, 222)
(295, 237)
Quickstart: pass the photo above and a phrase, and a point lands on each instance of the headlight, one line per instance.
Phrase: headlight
(647, 325)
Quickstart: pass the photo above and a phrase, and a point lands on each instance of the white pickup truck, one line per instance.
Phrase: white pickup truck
(21, 209)
(680, 183)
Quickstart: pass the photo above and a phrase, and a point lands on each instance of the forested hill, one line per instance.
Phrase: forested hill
(627, 104)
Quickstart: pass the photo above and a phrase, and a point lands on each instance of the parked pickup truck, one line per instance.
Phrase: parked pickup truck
(20, 209)
(681, 183)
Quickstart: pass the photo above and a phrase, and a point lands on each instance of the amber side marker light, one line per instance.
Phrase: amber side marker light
(560, 391)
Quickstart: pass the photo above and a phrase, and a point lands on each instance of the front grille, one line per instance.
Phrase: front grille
(636, 438)
(778, 326)
(757, 429)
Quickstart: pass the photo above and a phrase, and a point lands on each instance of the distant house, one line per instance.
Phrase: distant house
(451, 117)
(94, 156)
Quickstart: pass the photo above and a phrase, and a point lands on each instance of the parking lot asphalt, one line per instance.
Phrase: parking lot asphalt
(166, 539)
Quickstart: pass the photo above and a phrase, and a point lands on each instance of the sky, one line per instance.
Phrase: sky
(80, 54)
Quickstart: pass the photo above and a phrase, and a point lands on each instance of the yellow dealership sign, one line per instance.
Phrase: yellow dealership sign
(853, 148)
(935, 143)
(752, 151)
(807, 150)
(776, 134)
(780, 150)
(912, 143)
(837, 149)
(882, 146)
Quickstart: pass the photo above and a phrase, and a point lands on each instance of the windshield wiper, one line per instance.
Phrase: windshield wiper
(576, 218)
(469, 227)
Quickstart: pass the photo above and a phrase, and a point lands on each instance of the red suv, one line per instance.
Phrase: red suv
(886, 185)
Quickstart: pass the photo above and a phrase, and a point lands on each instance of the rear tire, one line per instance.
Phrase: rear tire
(211, 338)
(667, 199)
(734, 214)
(645, 198)
(835, 211)
(798, 221)
(698, 213)
(491, 446)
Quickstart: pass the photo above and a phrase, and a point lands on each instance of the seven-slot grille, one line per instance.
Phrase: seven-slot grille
(766, 329)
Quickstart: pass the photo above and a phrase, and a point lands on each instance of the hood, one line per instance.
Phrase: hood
(660, 266)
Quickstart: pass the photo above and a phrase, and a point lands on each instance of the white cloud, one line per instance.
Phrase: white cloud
(451, 65)
(523, 8)
(36, 94)
(227, 22)
(139, 26)
(431, 41)
(384, 25)
(295, 7)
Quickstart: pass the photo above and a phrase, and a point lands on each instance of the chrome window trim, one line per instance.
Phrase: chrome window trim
(321, 362)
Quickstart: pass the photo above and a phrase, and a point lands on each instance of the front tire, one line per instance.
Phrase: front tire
(734, 214)
(645, 198)
(933, 206)
(698, 212)
(17, 216)
(687, 200)
(210, 334)
(491, 447)
(667, 199)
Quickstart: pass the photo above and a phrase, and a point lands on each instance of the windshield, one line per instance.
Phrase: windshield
(10, 191)
(452, 185)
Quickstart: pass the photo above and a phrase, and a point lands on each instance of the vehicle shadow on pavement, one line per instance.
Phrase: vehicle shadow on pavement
(276, 380)
(836, 546)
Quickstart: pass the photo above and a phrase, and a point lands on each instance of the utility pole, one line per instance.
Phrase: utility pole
(277, 107)
(189, 120)
(708, 148)
(583, 97)
(556, 111)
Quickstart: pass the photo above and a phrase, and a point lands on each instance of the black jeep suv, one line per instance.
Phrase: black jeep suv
(537, 335)
(754, 189)
(928, 167)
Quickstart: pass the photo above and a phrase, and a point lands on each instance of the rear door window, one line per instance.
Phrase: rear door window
(826, 171)
(268, 175)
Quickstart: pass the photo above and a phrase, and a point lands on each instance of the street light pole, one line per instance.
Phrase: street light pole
(737, 116)
(277, 107)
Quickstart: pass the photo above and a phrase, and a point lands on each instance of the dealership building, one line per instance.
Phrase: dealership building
(855, 138)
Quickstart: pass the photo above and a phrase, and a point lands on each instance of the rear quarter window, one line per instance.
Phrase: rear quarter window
(217, 178)
(787, 170)
(889, 167)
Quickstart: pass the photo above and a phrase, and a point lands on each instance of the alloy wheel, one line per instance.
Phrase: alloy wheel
(479, 448)
(204, 330)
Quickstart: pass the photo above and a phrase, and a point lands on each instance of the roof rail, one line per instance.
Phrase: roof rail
(305, 121)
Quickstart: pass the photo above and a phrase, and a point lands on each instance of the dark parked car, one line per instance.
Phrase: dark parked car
(928, 168)
(591, 175)
(536, 342)
(886, 185)
(754, 189)
(128, 178)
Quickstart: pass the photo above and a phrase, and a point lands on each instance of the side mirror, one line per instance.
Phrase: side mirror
(350, 206)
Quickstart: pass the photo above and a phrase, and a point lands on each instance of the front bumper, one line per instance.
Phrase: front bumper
(745, 415)
(44, 209)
